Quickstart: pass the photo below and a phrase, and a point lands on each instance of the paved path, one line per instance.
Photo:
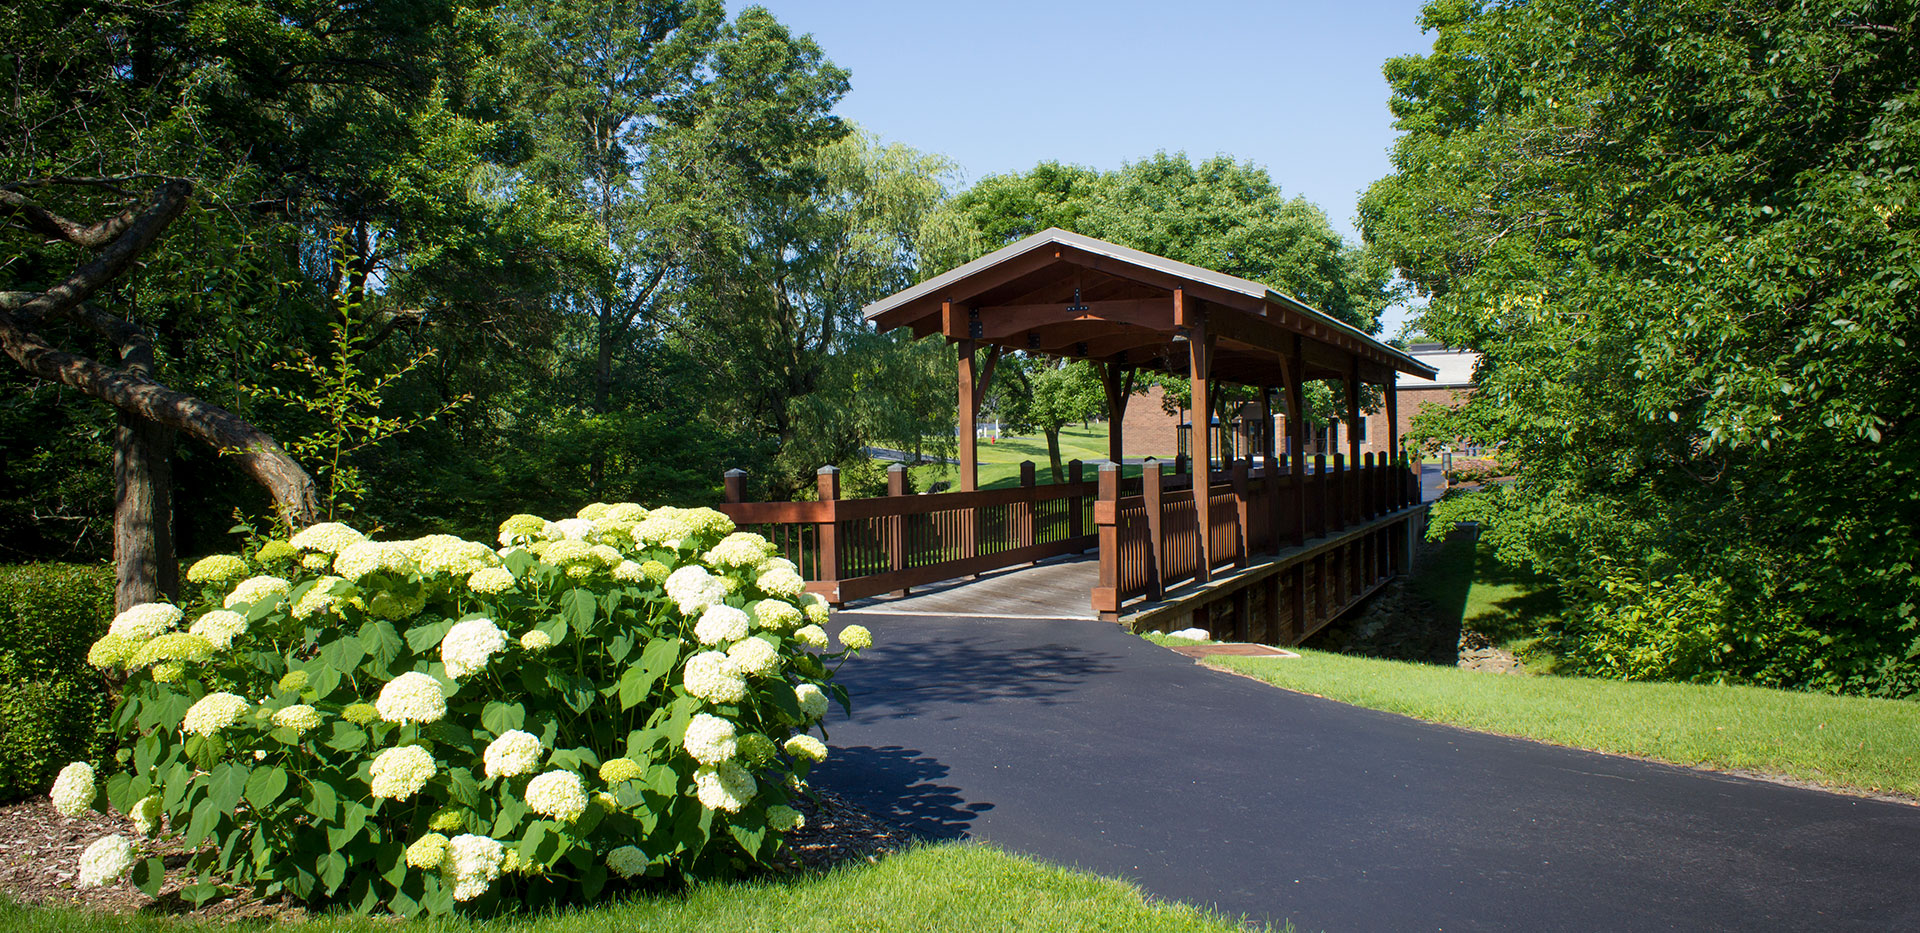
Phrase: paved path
(1083, 745)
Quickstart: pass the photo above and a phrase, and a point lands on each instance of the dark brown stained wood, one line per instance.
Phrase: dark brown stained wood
(985, 383)
(1153, 499)
(1200, 348)
(1011, 270)
(1297, 434)
(969, 397)
(860, 587)
(1158, 279)
(1007, 322)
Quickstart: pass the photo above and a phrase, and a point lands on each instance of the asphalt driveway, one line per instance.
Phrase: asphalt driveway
(1085, 746)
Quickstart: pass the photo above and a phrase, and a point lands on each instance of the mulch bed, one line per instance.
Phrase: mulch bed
(40, 855)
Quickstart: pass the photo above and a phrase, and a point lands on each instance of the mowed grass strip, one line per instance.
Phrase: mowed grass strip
(953, 886)
(1857, 743)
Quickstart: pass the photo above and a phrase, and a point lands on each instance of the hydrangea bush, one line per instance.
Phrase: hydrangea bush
(420, 725)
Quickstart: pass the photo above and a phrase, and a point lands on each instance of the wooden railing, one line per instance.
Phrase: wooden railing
(851, 548)
(1150, 541)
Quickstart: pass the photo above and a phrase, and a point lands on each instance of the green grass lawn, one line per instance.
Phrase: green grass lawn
(1845, 742)
(1000, 462)
(953, 886)
(1513, 608)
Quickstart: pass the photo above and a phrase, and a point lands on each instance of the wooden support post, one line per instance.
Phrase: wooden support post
(1353, 438)
(1076, 474)
(897, 544)
(1270, 476)
(1297, 601)
(1119, 387)
(1295, 373)
(1322, 483)
(1369, 488)
(1106, 516)
(1396, 461)
(1243, 512)
(1023, 511)
(1200, 377)
(1337, 494)
(969, 450)
(736, 483)
(827, 533)
(1152, 493)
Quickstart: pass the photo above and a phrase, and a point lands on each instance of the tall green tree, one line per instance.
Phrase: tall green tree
(1682, 236)
(1037, 393)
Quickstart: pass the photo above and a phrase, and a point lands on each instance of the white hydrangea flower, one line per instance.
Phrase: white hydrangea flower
(742, 549)
(257, 589)
(369, 557)
(469, 645)
(219, 568)
(453, 555)
(712, 676)
(856, 637)
(513, 753)
(813, 636)
(721, 623)
(471, 864)
(316, 561)
(410, 698)
(781, 583)
(755, 656)
(813, 701)
(105, 862)
(558, 794)
(427, 852)
(775, 616)
(522, 529)
(319, 598)
(213, 712)
(146, 815)
(327, 538)
(219, 627)
(629, 572)
(726, 786)
(784, 819)
(567, 551)
(490, 580)
(536, 640)
(299, 717)
(399, 773)
(625, 512)
(74, 789)
(663, 527)
(145, 621)
(807, 747)
(606, 555)
(620, 770)
(693, 589)
(627, 861)
(573, 529)
(709, 739)
(815, 606)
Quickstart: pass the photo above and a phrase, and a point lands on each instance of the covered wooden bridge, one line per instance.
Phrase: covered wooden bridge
(1287, 545)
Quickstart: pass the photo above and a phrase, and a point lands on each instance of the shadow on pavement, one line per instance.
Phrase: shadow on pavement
(902, 786)
(910, 678)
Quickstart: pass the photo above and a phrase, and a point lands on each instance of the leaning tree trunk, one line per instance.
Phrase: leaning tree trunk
(150, 412)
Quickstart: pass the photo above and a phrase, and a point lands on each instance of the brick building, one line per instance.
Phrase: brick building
(1151, 432)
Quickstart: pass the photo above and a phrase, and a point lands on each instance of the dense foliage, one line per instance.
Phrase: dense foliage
(414, 725)
(1683, 237)
(623, 240)
(52, 705)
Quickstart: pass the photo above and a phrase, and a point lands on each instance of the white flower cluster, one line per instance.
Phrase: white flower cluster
(490, 580)
(513, 753)
(453, 555)
(299, 717)
(411, 697)
(755, 656)
(327, 538)
(627, 861)
(219, 568)
(213, 712)
(712, 676)
(399, 773)
(781, 582)
(709, 739)
(146, 815)
(317, 599)
(776, 616)
(471, 864)
(147, 620)
(469, 645)
(693, 589)
(257, 590)
(107, 860)
(721, 624)
(557, 794)
(813, 700)
(74, 789)
(804, 746)
(742, 549)
(856, 637)
(725, 786)
(361, 558)
(219, 627)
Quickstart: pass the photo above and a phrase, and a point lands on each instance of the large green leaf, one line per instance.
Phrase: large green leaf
(265, 785)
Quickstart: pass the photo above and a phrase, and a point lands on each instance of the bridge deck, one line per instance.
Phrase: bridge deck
(1053, 589)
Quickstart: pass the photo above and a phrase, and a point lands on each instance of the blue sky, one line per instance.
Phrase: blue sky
(999, 86)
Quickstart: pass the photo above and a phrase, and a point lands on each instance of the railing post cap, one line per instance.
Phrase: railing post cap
(1108, 466)
(736, 471)
(829, 470)
(897, 468)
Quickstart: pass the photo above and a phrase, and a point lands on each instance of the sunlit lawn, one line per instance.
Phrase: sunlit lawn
(1000, 461)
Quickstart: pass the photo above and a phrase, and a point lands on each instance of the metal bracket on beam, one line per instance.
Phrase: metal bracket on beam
(1080, 349)
(973, 323)
(1078, 307)
(1033, 340)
